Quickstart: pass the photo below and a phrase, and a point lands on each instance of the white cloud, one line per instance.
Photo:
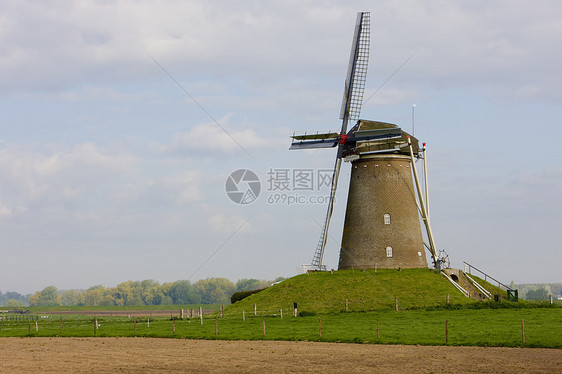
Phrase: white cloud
(31, 175)
(181, 188)
(210, 137)
(221, 222)
(56, 46)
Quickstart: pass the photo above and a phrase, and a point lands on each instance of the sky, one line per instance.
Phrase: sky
(122, 121)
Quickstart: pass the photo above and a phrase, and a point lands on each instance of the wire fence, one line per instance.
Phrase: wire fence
(523, 327)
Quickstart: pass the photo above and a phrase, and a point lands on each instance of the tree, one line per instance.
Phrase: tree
(251, 284)
(73, 297)
(153, 295)
(537, 294)
(94, 295)
(47, 297)
(13, 303)
(182, 292)
(215, 290)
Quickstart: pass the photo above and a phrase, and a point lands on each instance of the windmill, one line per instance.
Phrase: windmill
(382, 226)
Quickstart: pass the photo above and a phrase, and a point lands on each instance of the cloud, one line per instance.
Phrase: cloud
(220, 222)
(53, 46)
(180, 188)
(210, 137)
(31, 176)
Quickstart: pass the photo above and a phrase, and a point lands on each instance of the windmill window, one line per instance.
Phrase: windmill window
(387, 219)
(389, 251)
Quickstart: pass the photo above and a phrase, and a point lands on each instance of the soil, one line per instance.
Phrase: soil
(138, 355)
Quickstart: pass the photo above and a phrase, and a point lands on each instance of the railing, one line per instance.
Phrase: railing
(501, 286)
(458, 286)
(478, 286)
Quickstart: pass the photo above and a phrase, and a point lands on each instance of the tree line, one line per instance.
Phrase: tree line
(538, 291)
(149, 292)
(13, 299)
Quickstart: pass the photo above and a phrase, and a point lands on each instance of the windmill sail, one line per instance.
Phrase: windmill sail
(382, 157)
(356, 70)
(351, 108)
(315, 140)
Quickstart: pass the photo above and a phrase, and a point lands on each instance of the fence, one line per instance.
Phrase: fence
(456, 327)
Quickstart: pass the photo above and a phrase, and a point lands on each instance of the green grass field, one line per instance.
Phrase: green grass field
(480, 327)
(346, 306)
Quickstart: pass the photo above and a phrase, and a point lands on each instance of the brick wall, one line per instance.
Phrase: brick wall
(382, 184)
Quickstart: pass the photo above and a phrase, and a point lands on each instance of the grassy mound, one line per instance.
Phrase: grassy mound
(325, 292)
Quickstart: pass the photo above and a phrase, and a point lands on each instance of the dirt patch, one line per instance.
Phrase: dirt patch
(128, 355)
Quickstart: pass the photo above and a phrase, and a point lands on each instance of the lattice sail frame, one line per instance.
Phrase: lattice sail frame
(351, 110)
(357, 69)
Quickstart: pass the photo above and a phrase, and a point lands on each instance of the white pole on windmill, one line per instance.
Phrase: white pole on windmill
(425, 179)
(413, 118)
(422, 205)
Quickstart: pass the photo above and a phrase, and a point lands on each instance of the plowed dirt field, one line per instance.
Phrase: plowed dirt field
(150, 355)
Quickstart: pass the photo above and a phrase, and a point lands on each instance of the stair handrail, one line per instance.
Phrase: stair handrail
(458, 286)
(486, 276)
(478, 286)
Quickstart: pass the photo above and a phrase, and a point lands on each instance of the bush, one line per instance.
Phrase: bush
(240, 295)
(306, 313)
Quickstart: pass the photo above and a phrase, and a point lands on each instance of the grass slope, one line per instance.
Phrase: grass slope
(325, 292)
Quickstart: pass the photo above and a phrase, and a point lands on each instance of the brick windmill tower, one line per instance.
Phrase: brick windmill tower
(382, 221)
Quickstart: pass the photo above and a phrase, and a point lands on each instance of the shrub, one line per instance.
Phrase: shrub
(240, 295)
(306, 313)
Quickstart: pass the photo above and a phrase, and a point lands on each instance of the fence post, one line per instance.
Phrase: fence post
(95, 326)
(523, 329)
(201, 315)
(174, 326)
(243, 316)
(447, 299)
(281, 312)
(395, 304)
(346, 305)
(263, 326)
(148, 322)
(551, 301)
(216, 326)
(255, 310)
